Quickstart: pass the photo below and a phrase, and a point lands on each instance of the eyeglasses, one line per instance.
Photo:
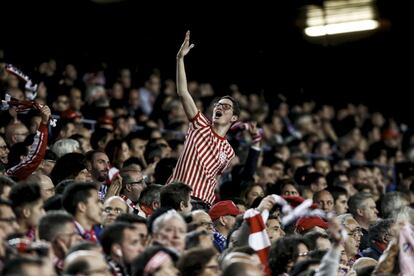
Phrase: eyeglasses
(224, 106)
(206, 224)
(304, 254)
(357, 232)
(4, 147)
(117, 210)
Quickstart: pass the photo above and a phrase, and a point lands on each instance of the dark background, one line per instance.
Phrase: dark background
(255, 44)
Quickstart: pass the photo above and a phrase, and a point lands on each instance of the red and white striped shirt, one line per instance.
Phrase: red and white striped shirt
(205, 155)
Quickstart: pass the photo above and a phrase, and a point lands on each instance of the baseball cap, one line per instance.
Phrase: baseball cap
(223, 208)
(306, 223)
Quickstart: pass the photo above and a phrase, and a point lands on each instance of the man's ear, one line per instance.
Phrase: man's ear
(182, 205)
(81, 207)
(88, 166)
(359, 212)
(116, 250)
(26, 212)
(234, 118)
(155, 205)
(128, 187)
(222, 221)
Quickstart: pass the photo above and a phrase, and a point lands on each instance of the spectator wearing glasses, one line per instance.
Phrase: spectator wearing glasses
(113, 207)
(206, 153)
(133, 184)
(4, 151)
(353, 241)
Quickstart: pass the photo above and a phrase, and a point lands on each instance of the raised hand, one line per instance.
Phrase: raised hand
(185, 47)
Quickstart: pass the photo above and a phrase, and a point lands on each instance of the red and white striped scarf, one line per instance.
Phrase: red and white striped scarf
(258, 238)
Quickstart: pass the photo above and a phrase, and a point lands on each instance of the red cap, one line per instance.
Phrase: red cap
(223, 208)
(295, 201)
(305, 223)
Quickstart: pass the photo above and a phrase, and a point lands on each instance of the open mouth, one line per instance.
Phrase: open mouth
(218, 114)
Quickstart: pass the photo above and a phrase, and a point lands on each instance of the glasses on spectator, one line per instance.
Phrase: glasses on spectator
(3, 147)
(357, 232)
(224, 106)
(116, 210)
(304, 254)
(206, 224)
(9, 220)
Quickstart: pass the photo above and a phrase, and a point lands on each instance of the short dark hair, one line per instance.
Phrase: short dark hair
(355, 202)
(150, 194)
(76, 193)
(173, 194)
(5, 182)
(236, 106)
(23, 194)
(337, 191)
(130, 218)
(378, 229)
(52, 223)
(76, 267)
(194, 260)
(164, 169)
(68, 167)
(15, 265)
(113, 233)
(312, 237)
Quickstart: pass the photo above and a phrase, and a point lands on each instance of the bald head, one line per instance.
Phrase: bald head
(85, 261)
(16, 133)
(113, 207)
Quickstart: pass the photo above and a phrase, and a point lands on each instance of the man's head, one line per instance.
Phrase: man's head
(340, 196)
(381, 231)
(177, 196)
(226, 111)
(27, 204)
(58, 228)
(6, 184)
(362, 207)
(223, 214)
(8, 220)
(113, 207)
(202, 221)
(86, 262)
(98, 165)
(274, 229)
(16, 133)
(47, 189)
(325, 200)
(82, 201)
(121, 242)
(169, 229)
(354, 232)
(133, 182)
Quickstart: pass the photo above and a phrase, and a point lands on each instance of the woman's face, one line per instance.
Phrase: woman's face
(254, 193)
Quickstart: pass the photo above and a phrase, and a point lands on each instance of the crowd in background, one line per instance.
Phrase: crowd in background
(89, 196)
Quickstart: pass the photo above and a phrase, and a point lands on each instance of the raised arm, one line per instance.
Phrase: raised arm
(187, 100)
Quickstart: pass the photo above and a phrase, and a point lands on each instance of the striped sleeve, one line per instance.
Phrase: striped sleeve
(35, 156)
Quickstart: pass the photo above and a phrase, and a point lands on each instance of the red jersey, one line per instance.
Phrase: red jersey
(205, 155)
